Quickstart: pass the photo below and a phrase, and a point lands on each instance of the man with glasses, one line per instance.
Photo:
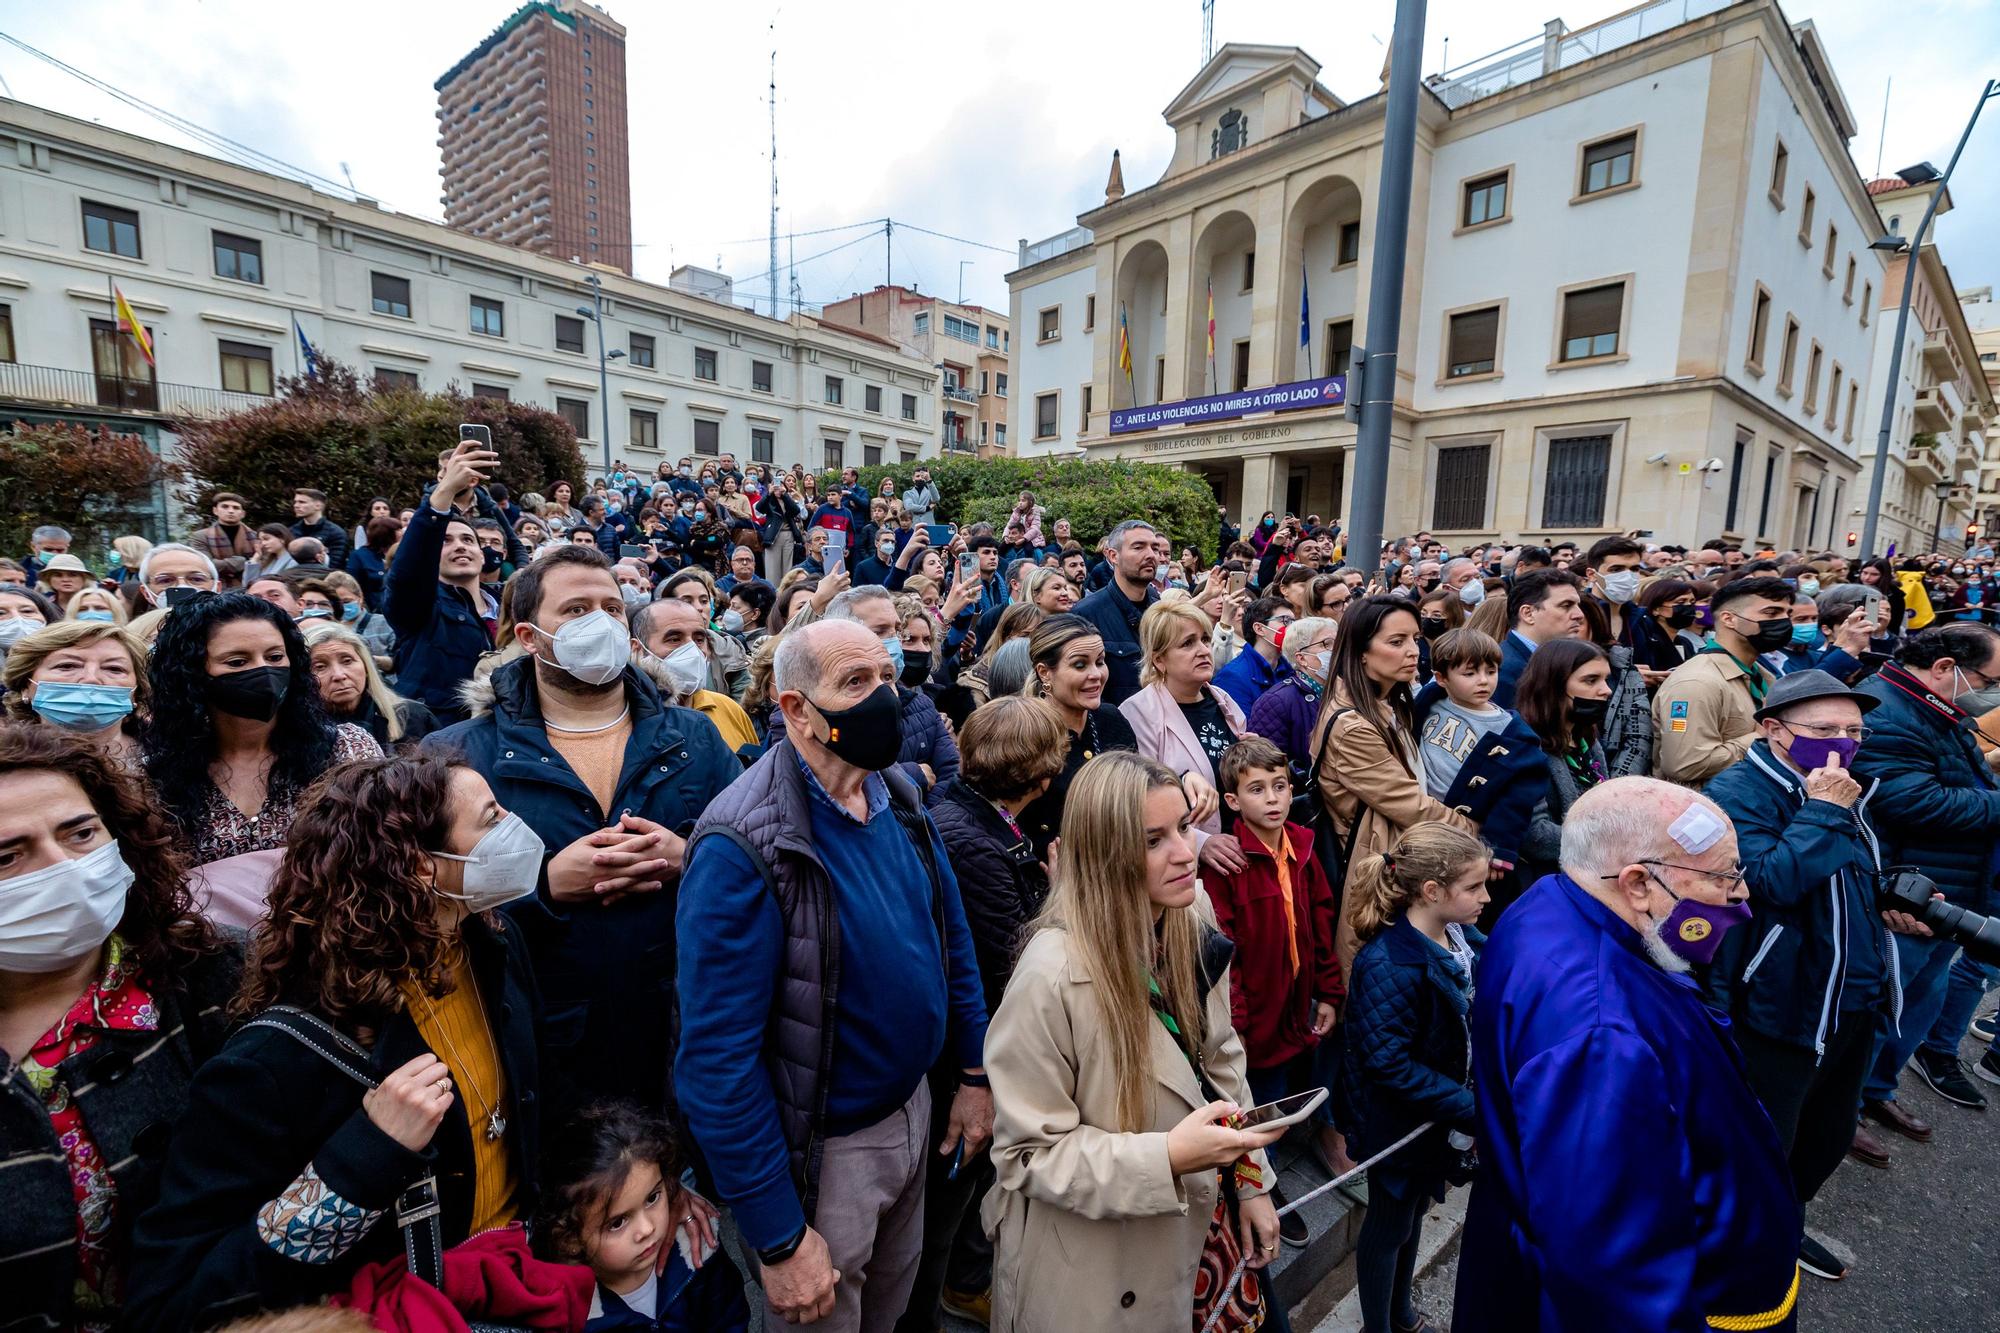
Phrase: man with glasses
(1629, 1178)
(1808, 979)
(1938, 811)
(172, 565)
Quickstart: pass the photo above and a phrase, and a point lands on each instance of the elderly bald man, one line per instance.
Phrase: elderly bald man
(816, 874)
(1630, 1179)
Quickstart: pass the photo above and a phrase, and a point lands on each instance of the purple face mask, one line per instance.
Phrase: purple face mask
(1810, 752)
(1694, 930)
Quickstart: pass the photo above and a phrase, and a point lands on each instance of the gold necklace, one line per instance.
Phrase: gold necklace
(496, 1124)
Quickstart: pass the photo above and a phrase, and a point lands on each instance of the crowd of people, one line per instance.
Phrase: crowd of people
(539, 907)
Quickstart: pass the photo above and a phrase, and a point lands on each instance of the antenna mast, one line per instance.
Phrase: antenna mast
(1207, 31)
(773, 266)
(792, 253)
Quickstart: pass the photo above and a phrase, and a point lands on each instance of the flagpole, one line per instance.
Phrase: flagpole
(298, 335)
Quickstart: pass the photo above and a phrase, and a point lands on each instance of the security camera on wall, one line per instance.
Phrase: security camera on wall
(1712, 465)
(1656, 459)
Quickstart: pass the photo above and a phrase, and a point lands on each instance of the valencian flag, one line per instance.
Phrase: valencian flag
(129, 323)
(1125, 352)
(1211, 333)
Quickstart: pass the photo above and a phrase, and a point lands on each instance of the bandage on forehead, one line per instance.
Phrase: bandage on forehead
(1698, 829)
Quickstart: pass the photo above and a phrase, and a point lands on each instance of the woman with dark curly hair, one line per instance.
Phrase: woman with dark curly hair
(236, 736)
(380, 942)
(112, 992)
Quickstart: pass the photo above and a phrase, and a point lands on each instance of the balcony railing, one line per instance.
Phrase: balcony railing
(1073, 239)
(57, 387)
(961, 393)
(1557, 49)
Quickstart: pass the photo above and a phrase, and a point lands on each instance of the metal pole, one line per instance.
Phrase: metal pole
(603, 376)
(1912, 258)
(1385, 289)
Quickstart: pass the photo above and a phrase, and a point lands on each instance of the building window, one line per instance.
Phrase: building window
(124, 379)
(1472, 342)
(1578, 475)
(1760, 328)
(569, 334)
(1082, 415)
(1007, 337)
(577, 413)
(1832, 239)
(1608, 164)
(965, 330)
(641, 351)
(1867, 299)
(993, 337)
(6, 333)
(1249, 269)
(1048, 324)
(497, 392)
(1812, 381)
(909, 407)
(1847, 288)
(1460, 503)
(387, 379)
(1339, 346)
(1591, 320)
(833, 390)
(1764, 505)
(1485, 201)
(1239, 366)
(1000, 435)
(871, 454)
(1853, 401)
(760, 376)
(1231, 132)
(1780, 160)
(645, 430)
(830, 455)
(1046, 406)
(707, 436)
(113, 231)
(763, 446)
(238, 258)
(246, 368)
(1806, 218)
(1348, 249)
(982, 432)
(871, 396)
(704, 363)
(1787, 355)
(389, 295)
(1089, 313)
(1735, 482)
(921, 324)
(1159, 379)
(488, 317)
(1833, 398)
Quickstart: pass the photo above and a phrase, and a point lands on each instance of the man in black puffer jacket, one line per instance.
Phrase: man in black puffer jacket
(1938, 807)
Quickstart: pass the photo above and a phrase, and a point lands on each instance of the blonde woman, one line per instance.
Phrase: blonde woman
(96, 606)
(84, 677)
(1182, 720)
(354, 691)
(1114, 1067)
(1049, 589)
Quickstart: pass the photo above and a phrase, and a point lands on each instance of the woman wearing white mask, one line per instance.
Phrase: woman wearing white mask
(391, 1045)
(112, 991)
(1285, 713)
(22, 612)
(86, 678)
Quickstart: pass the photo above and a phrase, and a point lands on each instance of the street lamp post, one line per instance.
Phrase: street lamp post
(1943, 489)
(1915, 245)
(595, 313)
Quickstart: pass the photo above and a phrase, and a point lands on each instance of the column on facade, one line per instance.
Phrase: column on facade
(1264, 478)
(1271, 333)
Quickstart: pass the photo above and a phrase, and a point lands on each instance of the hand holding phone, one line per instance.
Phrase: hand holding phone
(1285, 1111)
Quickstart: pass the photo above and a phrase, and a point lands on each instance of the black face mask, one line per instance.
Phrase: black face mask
(1427, 584)
(1770, 635)
(1680, 617)
(254, 695)
(490, 558)
(916, 666)
(1588, 710)
(1433, 626)
(870, 734)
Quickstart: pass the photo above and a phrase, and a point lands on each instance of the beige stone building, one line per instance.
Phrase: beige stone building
(1639, 289)
(968, 345)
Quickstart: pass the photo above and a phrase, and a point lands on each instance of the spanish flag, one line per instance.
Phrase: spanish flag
(1211, 333)
(1125, 351)
(129, 323)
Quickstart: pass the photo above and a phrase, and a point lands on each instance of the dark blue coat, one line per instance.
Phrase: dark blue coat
(1810, 866)
(1937, 807)
(440, 629)
(1117, 620)
(1247, 676)
(704, 1300)
(606, 971)
(1284, 715)
(1499, 783)
(1514, 654)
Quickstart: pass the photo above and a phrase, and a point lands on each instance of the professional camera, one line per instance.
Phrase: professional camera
(1904, 890)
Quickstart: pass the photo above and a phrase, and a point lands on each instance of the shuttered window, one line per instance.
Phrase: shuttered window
(1461, 487)
(1579, 470)
(1475, 337)
(1590, 321)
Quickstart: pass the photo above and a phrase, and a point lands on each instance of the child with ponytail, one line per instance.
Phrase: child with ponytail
(1407, 1053)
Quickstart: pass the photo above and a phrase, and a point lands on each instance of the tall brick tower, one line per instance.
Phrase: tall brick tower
(531, 127)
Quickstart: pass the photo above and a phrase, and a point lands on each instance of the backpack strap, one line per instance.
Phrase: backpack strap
(417, 1207)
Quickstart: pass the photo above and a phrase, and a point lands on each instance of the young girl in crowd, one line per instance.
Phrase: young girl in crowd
(615, 1202)
(1407, 1053)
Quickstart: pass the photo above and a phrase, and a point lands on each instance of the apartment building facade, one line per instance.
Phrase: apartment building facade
(968, 346)
(221, 263)
(1639, 293)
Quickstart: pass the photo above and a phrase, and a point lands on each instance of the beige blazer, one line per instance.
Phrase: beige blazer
(1091, 1229)
(1163, 733)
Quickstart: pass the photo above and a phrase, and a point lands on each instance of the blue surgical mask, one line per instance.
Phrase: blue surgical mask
(315, 613)
(894, 644)
(350, 611)
(79, 707)
(97, 617)
(1805, 636)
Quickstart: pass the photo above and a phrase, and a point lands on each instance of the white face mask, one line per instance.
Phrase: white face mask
(1622, 586)
(634, 595)
(732, 620)
(504, 866)
(52, 917)
(16, 628)
(1472, 592)
(687, 667)
(593, 648)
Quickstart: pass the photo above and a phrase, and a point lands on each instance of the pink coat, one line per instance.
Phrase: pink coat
(1163, 733)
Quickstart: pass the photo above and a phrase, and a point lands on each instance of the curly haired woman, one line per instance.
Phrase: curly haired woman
(284, 1175)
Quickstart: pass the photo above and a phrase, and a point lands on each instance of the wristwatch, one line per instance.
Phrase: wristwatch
(777, 1254)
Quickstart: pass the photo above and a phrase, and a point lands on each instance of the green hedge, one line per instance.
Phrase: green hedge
(1093, 496)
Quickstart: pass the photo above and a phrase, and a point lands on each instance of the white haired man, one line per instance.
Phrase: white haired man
(1631, 1179)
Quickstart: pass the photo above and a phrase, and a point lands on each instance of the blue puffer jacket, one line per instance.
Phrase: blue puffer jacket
(1937, 807)
(606, 971)
(1407, 1051)
(1810, 865)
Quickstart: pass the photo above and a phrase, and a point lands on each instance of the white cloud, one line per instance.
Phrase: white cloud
(995, 130)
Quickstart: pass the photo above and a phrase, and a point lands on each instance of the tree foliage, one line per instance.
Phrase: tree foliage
(340, 435)
(95, 483)
(1094, 496)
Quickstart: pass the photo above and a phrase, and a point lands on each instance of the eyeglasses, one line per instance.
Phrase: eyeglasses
(1826, 732)
(1732, 878)
(162, 582)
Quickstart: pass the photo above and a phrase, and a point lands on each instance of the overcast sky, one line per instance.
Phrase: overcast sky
(989, 133)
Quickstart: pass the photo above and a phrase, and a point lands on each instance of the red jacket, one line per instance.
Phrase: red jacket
(1271, 1008)
(490, 1277)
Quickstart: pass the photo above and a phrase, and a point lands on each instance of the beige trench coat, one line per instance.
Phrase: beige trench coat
(1091, 1230)
(1362, 778)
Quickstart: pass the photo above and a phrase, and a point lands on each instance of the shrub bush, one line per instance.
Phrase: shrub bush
(95, 483)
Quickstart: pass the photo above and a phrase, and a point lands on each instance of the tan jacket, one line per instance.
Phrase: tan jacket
(1091, 1229)
(1362, 778)
(1702, 718)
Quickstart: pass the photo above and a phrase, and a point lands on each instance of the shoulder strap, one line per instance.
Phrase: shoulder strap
(1319, 755)
(757, 862)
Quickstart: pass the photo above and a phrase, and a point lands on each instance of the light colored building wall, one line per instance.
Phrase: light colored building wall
(1061, 366)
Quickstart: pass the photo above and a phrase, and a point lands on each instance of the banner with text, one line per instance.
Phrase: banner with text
(1330, 392)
